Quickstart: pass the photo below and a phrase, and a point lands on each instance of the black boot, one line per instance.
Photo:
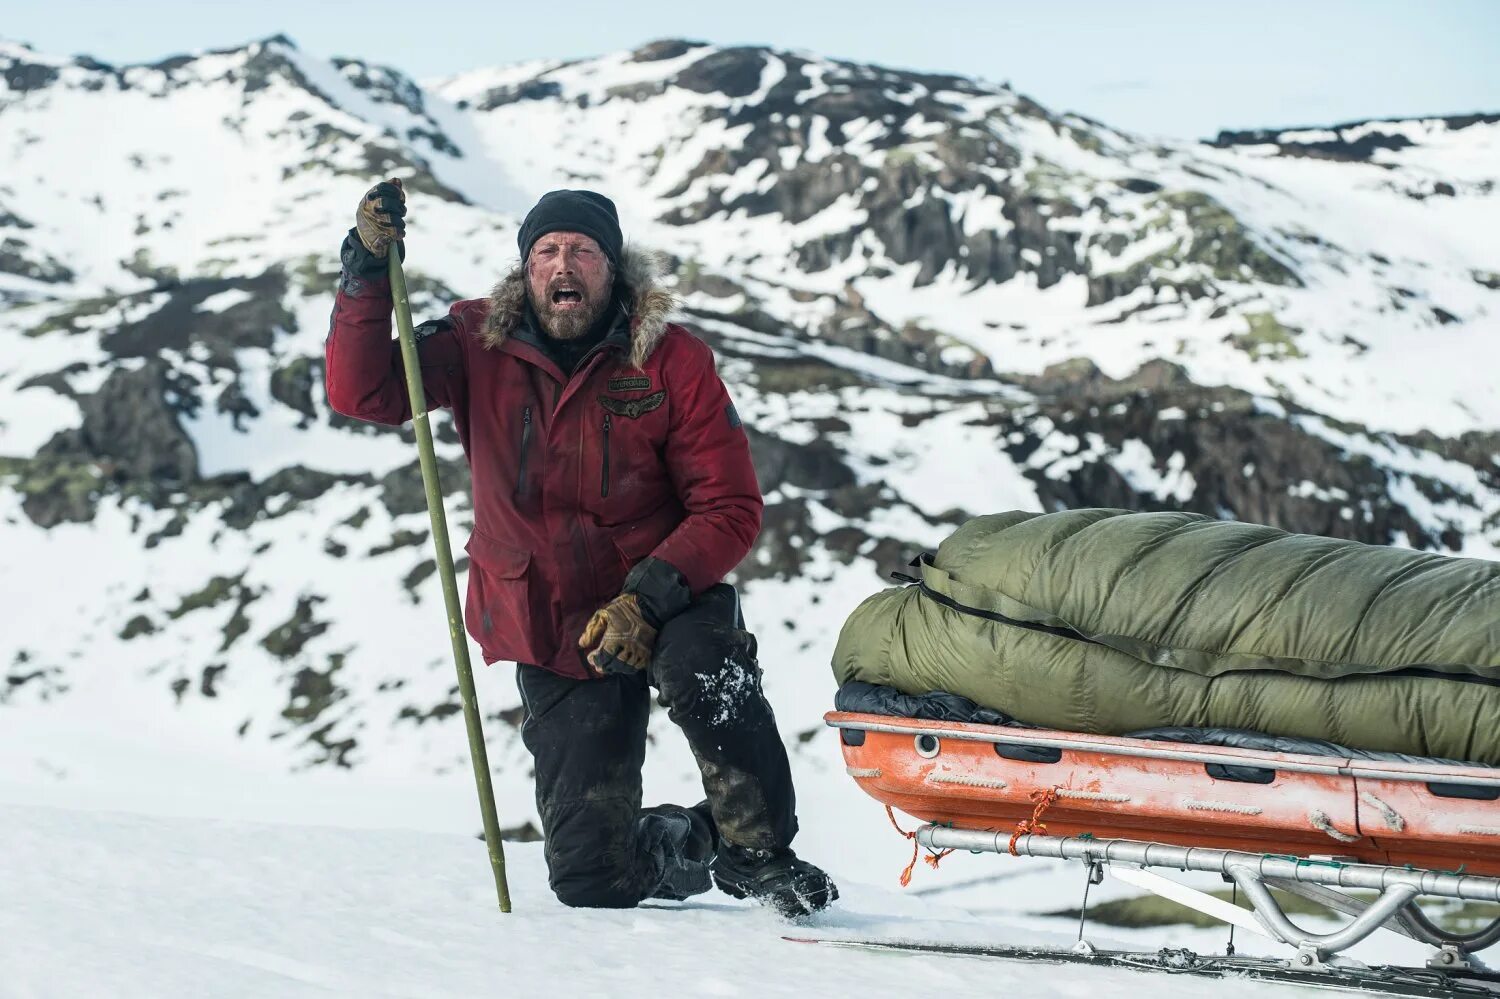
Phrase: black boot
(681, 841)
(775, 878)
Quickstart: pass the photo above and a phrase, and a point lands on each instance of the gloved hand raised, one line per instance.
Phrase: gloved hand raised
(379, 219)
(620, 636)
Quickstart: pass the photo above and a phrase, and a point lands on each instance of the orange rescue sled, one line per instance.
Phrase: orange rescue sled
(1302, 823)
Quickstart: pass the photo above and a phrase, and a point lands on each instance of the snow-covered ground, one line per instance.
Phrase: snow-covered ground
(114, 904)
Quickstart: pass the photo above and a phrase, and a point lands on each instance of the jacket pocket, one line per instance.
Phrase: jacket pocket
(501, 609)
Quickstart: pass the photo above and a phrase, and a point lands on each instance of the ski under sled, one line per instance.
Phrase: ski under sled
(1313, 826)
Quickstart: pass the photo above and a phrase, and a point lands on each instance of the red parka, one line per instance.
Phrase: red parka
(576, 478)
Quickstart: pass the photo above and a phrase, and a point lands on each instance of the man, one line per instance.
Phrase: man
(613, 490)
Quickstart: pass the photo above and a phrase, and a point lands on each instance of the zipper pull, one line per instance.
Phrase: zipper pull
(604, 466)
(525, 447)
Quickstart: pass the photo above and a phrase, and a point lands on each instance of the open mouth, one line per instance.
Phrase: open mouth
(566, 296)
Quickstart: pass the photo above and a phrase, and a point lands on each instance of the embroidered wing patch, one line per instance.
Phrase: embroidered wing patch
(634, 408)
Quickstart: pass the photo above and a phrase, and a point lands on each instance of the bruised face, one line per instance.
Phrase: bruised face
(569, 280)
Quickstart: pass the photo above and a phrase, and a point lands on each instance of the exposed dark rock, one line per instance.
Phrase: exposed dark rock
(418, 575)
(1214, 239)
(287, 639)
(54, 490)
(136, 626)
(58, 381)
(10, 220)
(211, 594)
(691, 278)
(1345, 148)
(42, 682)
(335, 751)
(382, 160)
(129, 430)
(383, 85)
(179, 324)
(401, 539)
(815, 465)
(1267, 338)
(852, 324)
(733, 72)
(801, 374)
(239, 621)
(21, 260)
(292, 385)
(531, 90)
(784, 544)
(509, 716)
(269, 63)
(234, 402)
(526, 832)
(211, 674)
(24, 77)
(245, 501)
(438, 712)
(1245, 463)
(665, 48)
(402, 491)
(311, 694)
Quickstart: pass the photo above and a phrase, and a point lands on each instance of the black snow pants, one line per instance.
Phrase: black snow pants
(588, 739)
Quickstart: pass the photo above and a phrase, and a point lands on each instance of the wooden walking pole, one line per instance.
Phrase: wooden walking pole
(444, 554)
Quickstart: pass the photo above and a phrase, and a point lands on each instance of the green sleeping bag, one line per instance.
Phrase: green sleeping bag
(1107, 622)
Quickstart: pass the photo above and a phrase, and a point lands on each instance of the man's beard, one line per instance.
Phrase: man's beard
(569, 324)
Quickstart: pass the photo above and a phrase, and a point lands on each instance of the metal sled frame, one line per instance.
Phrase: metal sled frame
(1307, 825)
(1394, 908)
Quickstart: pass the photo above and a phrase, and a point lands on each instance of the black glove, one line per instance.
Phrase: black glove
(361, 263)
(379, 218)
(662, 588)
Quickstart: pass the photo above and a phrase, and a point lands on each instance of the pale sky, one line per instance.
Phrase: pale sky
(1174, 67)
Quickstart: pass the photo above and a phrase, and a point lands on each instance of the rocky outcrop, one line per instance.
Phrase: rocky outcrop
(1348, 142)
(130, 430)
(1219, 452)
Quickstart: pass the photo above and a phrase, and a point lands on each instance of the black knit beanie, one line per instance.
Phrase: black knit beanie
(573, 211)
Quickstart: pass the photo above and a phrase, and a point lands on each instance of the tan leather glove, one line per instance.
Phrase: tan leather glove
(380, 216)
(620, 637)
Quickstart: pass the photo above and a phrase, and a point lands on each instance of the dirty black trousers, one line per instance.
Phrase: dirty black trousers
(588, 740)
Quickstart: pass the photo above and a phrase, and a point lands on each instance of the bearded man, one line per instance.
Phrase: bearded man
(612, 492)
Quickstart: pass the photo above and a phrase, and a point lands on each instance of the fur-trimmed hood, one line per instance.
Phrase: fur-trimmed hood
(637, 280)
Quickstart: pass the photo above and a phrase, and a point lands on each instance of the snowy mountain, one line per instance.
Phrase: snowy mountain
(931, 297)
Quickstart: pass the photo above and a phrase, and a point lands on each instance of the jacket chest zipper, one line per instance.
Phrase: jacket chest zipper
(604, 471)
(525, 447)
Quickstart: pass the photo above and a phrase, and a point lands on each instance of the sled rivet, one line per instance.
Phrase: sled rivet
(928, 746)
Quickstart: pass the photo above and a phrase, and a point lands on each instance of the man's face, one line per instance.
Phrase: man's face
(568, 278)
